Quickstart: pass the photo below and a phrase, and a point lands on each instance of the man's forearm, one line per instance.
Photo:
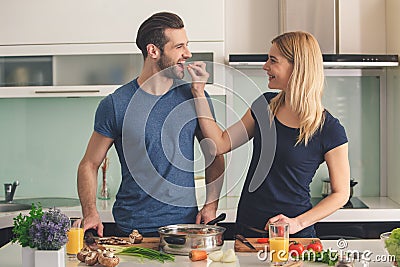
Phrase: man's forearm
(87, 188)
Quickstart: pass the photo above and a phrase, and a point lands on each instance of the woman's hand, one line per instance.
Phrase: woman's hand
(197, 71)
(294, 225)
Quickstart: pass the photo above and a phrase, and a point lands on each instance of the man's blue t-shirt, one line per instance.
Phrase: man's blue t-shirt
(154, 138)
(286, 187)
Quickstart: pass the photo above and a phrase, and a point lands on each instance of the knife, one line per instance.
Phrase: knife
(245, 241)
(263, 232)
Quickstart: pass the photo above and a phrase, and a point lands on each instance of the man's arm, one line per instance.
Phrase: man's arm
(87, 180)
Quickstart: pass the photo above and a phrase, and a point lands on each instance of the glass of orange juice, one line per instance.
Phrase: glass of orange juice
(279, 243)
(75, 237)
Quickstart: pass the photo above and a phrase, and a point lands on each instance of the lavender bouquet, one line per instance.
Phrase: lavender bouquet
(50, 231)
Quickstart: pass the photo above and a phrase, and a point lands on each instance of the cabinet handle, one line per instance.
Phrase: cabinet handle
(66, 91)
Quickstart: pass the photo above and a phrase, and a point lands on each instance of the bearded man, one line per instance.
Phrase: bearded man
(152, 123)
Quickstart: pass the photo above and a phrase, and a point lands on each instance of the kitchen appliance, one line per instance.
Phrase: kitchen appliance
(322, 19)
(330, 60)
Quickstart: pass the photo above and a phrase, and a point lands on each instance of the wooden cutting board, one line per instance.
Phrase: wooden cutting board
(147, 242)
(240, 247)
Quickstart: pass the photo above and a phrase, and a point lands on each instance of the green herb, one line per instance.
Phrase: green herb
(146, 253)
(392, 244)
(22, 224)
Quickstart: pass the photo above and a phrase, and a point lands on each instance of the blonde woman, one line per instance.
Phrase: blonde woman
(306, 136)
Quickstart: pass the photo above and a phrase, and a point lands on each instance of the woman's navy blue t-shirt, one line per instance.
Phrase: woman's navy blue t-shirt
(285, 186)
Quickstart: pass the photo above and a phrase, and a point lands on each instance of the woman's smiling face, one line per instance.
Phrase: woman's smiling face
(278, 68)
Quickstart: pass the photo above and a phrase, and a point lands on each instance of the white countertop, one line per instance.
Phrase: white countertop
(380, 209)
(10, 256)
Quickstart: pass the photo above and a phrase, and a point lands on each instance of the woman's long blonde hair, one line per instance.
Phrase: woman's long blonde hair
(306, 83)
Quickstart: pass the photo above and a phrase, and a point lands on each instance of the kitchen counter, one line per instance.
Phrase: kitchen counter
(10, 256)
(380, 209)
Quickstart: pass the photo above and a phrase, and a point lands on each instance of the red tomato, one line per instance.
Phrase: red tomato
(315, 245)
(296, 249)
(263, 240)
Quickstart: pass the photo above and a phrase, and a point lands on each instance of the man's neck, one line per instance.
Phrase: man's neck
(153, 83)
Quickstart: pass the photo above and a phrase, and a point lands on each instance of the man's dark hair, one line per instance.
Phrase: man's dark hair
(151, 31)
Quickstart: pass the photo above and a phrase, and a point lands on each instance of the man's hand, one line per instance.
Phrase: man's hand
(207, 213)
(93, 222)
(199, 76)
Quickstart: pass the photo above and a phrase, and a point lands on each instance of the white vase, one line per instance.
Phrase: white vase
(28, 257)
(50, 258)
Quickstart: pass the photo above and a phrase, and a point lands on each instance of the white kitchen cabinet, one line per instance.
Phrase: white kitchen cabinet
(101, 21)
(62, 30)
(362, 26)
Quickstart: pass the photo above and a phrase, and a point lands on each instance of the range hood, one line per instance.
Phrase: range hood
(321, 18)
(330, 60)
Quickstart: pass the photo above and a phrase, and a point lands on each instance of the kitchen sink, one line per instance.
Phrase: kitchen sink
(47, 202)
(8, 207)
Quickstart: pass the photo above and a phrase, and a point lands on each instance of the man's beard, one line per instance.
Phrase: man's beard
(169, 68)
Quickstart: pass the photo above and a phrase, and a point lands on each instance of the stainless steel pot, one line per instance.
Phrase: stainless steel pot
(180, 239)
(326, 187)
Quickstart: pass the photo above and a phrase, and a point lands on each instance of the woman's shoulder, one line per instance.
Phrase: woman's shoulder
(330, 121)
(333, 133)
(329, 118)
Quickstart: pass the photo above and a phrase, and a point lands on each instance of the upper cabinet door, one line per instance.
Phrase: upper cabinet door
(102, 21)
